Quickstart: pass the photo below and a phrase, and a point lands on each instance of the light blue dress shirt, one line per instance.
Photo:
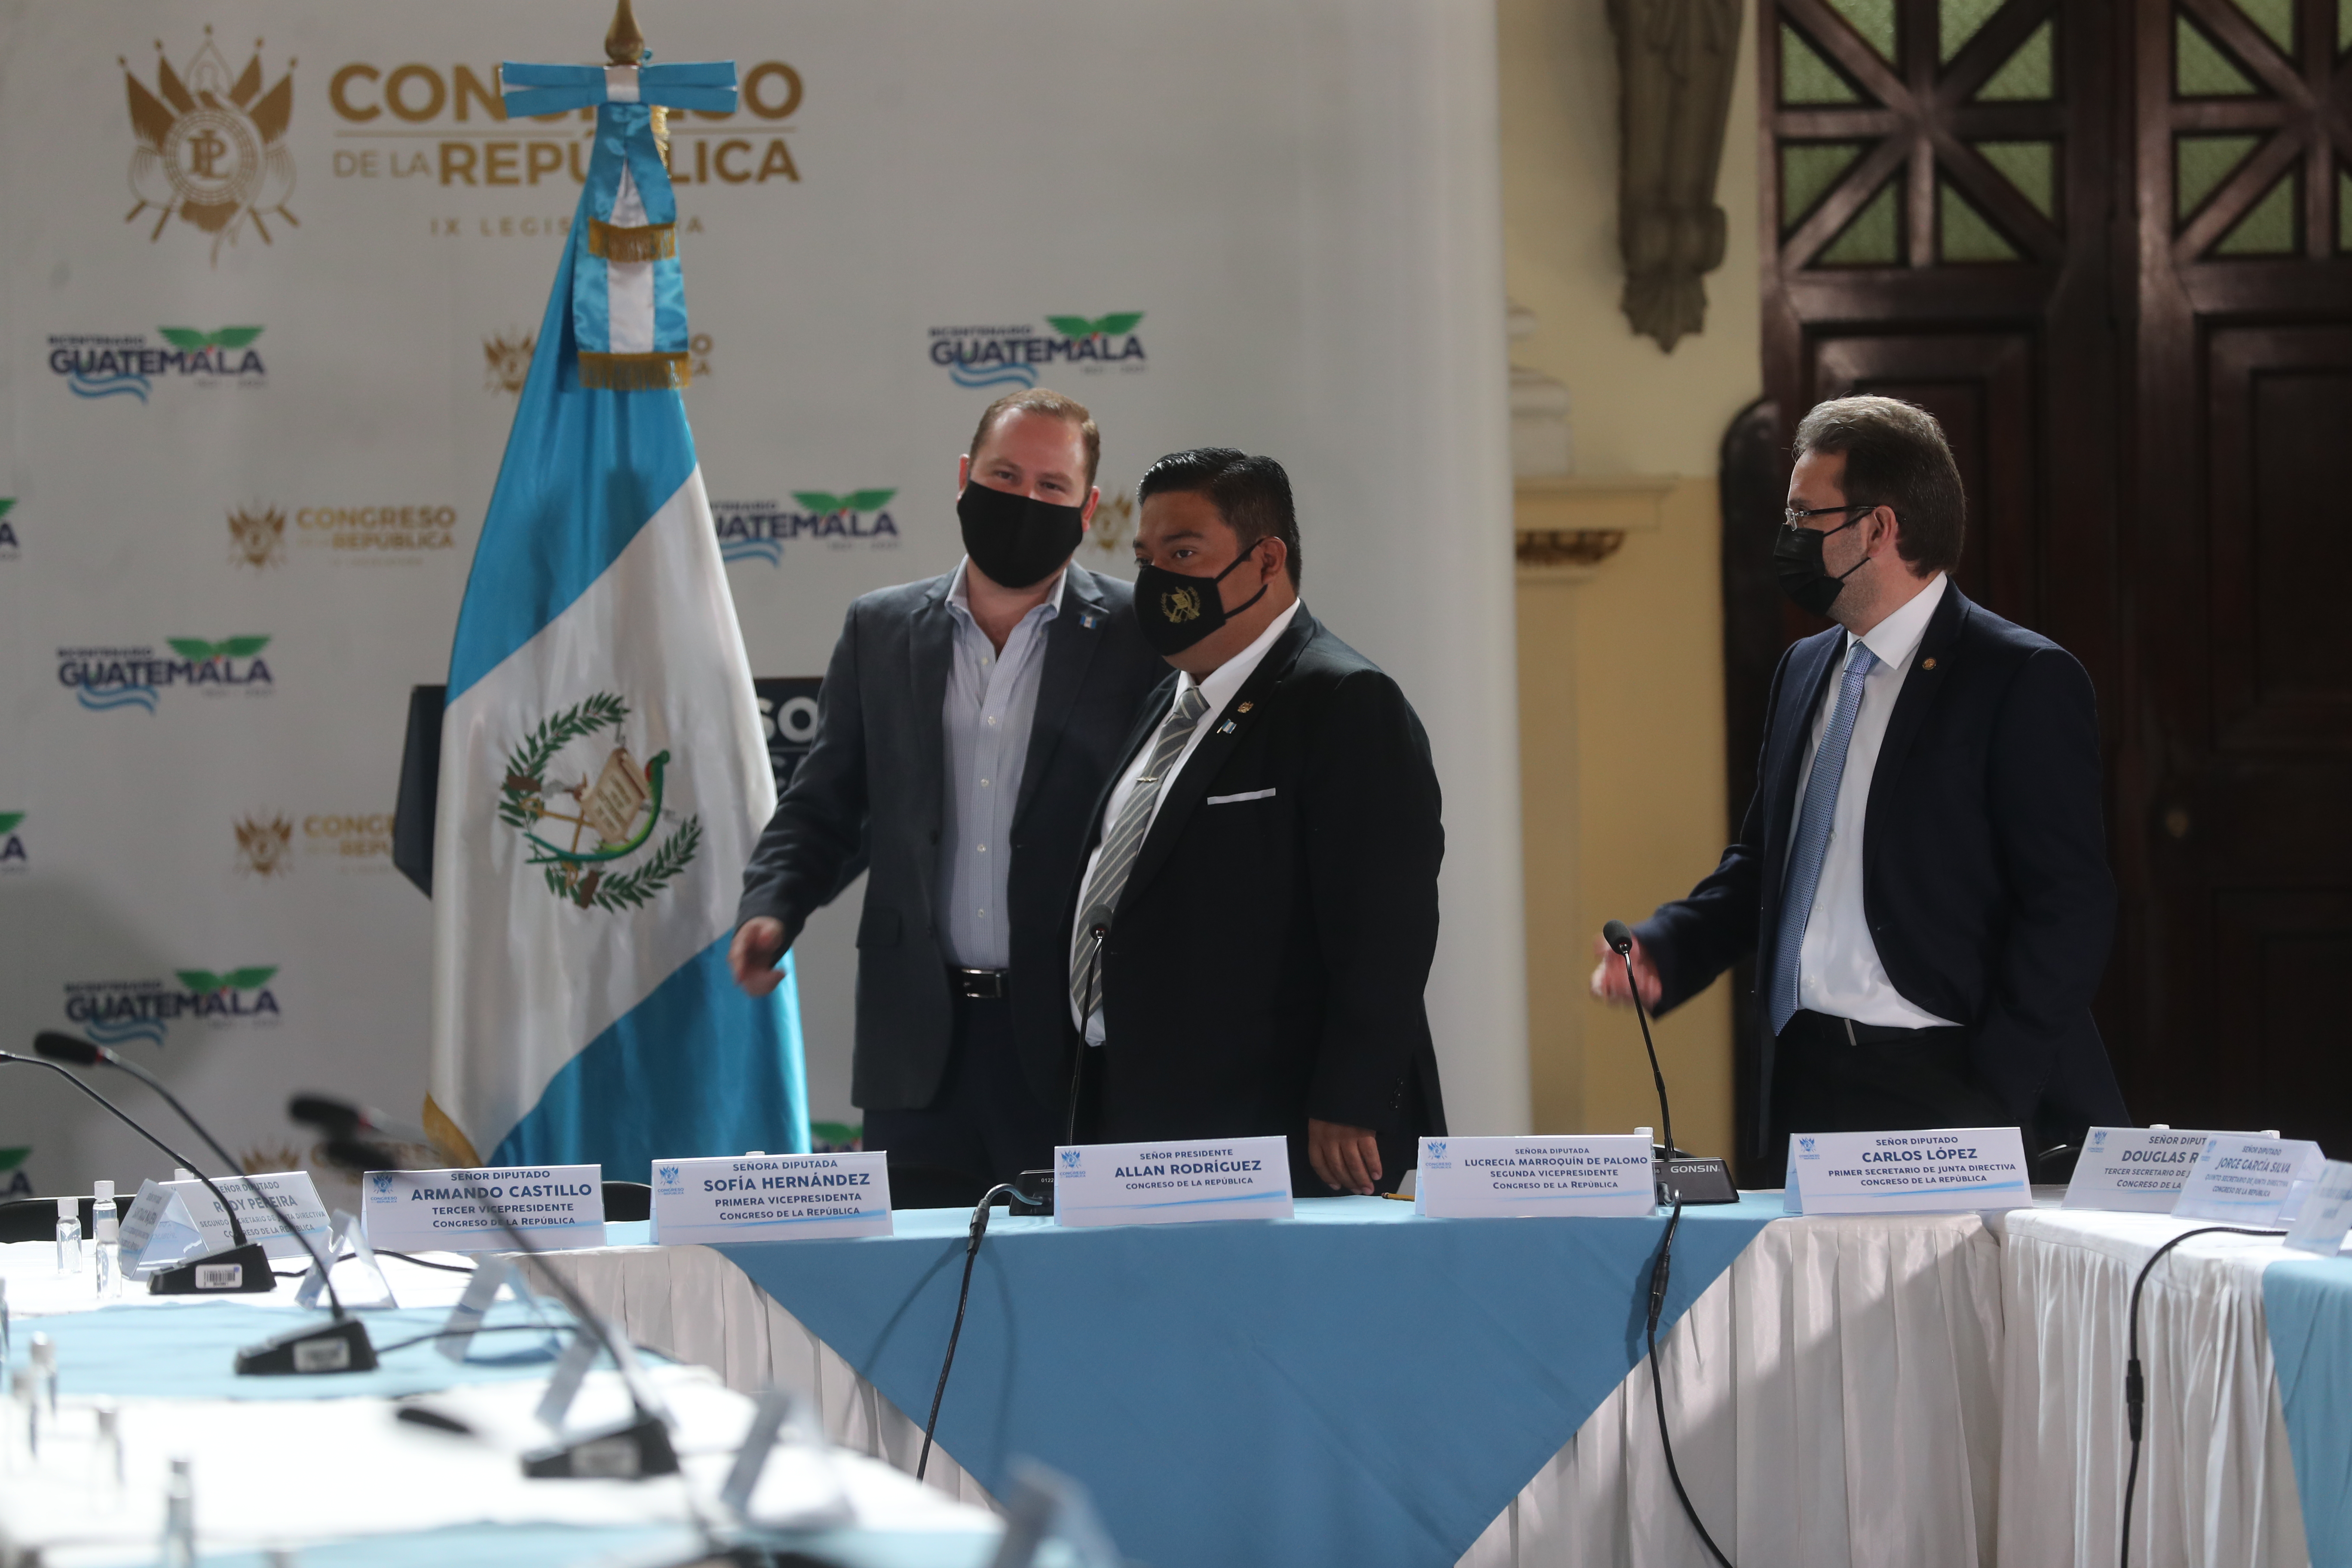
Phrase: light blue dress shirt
(992, 699)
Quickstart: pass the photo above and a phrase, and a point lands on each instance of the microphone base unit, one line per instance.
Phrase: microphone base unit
(239, 1271)
(1037, 1186)
(1692, 1178)
(341, 1346)
(627, 1453)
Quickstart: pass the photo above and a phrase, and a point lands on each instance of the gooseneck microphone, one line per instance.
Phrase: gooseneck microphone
(1620, 938)
(643, 1440)
(339, 1345)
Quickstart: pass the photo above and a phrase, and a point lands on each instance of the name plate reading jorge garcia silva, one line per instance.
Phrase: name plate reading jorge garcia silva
(1946, 1170)
(1171, 1184)
(770, 1197)
(449, 1211)
(1518, 1178)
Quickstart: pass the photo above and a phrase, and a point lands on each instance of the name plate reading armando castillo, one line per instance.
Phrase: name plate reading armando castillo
(1946, 1170)
(1171, 1184)
(449, 1211)
(1519, 1178)
(770, 1197)
(2133, 1170)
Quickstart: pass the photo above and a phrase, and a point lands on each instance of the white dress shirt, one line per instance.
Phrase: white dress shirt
(1218, 690)
(989, 710)
(1838, 972)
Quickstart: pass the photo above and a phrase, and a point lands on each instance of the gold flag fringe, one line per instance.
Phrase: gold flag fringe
(633, 373)
(654, 242)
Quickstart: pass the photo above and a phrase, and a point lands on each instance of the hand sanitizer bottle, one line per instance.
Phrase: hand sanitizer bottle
(68, 1236)
(106, 1236)
(180, 1518)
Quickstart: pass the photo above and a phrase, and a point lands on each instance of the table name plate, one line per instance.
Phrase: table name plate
(770, 1197)
(1944, 1170)
(293, 1191)
(555, 1205)
(2327, 1213)
(2239, 1179)
(1173, 1184)
(1520, 1178)
(2133, 1170)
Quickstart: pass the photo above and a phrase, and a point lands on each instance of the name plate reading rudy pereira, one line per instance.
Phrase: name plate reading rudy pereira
(1943, 1170)
(770, 1197)
(1521, 1178)
(449, 1211)
(1172, 1183)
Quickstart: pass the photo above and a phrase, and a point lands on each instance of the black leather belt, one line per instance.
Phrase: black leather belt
(979, 984)
(1845, 1031)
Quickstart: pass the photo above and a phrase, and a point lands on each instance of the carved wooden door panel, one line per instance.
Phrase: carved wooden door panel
(2236, 765)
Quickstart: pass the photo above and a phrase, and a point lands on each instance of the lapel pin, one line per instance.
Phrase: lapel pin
(1227, 728)
(1087, 620)
(1928, 663)
(1245, 706)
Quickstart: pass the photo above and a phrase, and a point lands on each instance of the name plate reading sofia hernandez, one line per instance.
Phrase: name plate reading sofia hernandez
(2133, 1170)
(2241, 1179)
(1946, 1170)
(1519, 1178)
(444, 1211)
(770, 1197)
(1173, 1184)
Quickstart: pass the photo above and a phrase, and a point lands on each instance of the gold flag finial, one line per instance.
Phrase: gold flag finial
(625, 45)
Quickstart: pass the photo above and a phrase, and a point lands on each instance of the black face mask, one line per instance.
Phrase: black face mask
(1796, 562)
(1177, 611)
(1017, 540)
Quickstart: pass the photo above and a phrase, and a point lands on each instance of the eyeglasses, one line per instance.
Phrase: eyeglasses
(1795, 518)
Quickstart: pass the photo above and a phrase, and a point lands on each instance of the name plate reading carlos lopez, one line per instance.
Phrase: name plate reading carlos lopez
(555, 1205)
(1169, 1183)
(1947, 1170)
(1516, 1178)
(770, 1197)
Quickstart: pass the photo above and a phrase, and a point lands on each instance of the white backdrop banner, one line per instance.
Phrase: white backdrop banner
(271, 278)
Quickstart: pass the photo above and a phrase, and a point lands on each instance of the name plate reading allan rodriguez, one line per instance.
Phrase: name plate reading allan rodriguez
(1172, 1183)
(410, 1211)
(1946, 1170)
(770, 1197)
(1518, 1178)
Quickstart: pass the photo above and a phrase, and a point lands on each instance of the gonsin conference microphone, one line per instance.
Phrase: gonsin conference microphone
(1686, 1178)
(340, 1345)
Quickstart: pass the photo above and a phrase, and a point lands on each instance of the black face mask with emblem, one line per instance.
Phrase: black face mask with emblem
(1176, 611)
(1018, 542)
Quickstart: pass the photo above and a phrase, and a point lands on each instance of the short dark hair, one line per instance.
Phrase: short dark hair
(1039, 400)
(1896, 456)
(1252, 494)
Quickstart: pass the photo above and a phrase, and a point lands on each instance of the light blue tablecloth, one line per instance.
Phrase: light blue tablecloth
(1357, 1385)
(2308, 1304)
(190, 1352)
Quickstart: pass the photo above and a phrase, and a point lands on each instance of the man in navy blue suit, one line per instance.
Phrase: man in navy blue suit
(1922, 872)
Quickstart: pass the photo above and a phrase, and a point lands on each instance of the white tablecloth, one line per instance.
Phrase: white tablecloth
(1833, 1398)
(2216, 1485)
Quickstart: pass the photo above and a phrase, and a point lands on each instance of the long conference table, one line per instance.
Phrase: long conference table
(1362, 1385)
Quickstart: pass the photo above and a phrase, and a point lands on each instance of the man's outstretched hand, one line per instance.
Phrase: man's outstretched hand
(1347, 1158)
(759, 944)
(1609, 976)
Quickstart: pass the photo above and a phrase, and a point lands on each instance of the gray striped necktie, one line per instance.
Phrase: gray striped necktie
(1126, 837)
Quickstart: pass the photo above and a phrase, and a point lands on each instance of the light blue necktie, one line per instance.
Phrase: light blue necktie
(1813, 845)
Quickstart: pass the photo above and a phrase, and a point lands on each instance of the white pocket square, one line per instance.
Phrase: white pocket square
(1229, 799)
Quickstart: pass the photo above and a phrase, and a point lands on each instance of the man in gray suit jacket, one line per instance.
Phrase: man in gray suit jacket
(966, 727)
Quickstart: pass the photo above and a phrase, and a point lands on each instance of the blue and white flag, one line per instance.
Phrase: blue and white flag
(603, 773)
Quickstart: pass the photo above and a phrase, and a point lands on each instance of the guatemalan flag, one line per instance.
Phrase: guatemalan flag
(603, 772)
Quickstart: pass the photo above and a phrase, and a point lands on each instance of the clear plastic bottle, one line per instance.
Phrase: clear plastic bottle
(68, 1236)
(180, 1518)
(106, 1238)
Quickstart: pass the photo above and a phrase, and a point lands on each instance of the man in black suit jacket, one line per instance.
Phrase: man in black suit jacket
(1252, 936)
(965, 726)
(1930, 918)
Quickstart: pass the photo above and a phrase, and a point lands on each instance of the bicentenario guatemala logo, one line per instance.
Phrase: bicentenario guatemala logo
(104, 679)
(757, 530)
(1014, 355)
(128, 365)
(114, 1010)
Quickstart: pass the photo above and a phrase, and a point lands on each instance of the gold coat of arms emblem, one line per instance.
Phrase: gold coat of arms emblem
(265, 848)
(1181, 605)
(257, 538)
(211, 146)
